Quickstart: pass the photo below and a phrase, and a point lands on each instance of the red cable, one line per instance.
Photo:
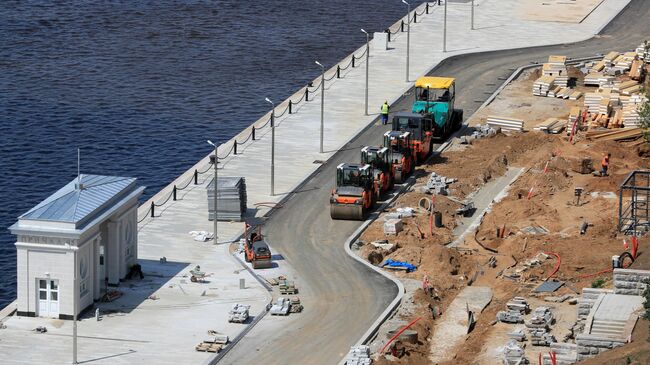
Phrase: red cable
(397, 334)
(557, 266)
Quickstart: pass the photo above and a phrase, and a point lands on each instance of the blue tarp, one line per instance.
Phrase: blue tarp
(392, 263)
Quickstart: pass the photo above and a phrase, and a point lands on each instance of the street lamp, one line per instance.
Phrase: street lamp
(272, 146)
(216, 162)
(444, 30)
(367, 64)
(322, 103)
(408, 37)
(472, 14)
(75, 295)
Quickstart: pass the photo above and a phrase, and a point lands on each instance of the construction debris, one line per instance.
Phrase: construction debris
(393, 226)
(358, 355)
(518, 335)
(295, 305)
(399, 265)
(510, 316)
(518, 304)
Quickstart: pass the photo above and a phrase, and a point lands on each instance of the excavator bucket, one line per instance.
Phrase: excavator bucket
(346, 211)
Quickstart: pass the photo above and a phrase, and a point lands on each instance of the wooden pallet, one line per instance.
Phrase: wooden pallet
(208, 347)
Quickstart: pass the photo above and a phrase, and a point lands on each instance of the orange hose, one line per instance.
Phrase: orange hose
(397, 335)
(557, 266)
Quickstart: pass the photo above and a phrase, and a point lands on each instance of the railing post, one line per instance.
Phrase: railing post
(338, 71)
(388, 33)
(307, 93)
(290, 105)
(174, 192)
(353, 58)
(234, 147)
(253, 133)
(153, 207)
(196, 176)
(402, 26)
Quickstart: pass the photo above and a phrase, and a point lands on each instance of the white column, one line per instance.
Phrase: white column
(113, 254)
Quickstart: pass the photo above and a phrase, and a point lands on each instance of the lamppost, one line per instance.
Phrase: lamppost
(322, 103)
(472, 14)
(367, 64)
(273, 146)
(216, 162)
(408, 37)
(444, 30)
(75, 296)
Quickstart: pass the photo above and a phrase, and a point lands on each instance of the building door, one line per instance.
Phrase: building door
(48, 298)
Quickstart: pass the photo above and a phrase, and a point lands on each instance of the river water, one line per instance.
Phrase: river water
(140, 85)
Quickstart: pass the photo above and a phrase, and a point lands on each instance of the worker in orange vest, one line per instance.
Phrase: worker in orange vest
(604, 164)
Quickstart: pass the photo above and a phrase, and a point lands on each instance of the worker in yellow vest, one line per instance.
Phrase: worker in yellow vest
(384, 113)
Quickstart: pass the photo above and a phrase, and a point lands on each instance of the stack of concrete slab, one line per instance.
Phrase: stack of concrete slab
(542, 85)
(631, 105)
(393, 226)
(598, 79)
(513, 354)
(556, 67)
(231, 199)
(538, 327)
(358, 355)
(643, 52)
(506, 124)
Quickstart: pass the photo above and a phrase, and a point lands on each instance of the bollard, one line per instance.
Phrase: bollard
(234, 147)
(388, 34)
(415, 16)
(253, 133)
(242, 283)
(97, 314)
(290, 104)
(338, 71)
(307, 94)
(353, 58)
(153, 207)
(174, 192)
(427, 7)
(402, 26)
(196, 174)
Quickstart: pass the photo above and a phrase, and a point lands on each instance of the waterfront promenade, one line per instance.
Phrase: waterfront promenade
(296, 150)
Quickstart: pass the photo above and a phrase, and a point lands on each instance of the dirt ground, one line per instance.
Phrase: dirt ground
(551, 171)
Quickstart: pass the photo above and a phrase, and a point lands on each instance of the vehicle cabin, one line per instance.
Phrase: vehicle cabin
(434, 93)
(349, 174)
(418, 125)
(375, 156)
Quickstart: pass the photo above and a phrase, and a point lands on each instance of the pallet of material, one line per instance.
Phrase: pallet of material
(506, 124)
(208, 347)
(636, 69)
(552, 126)
(542, 85)
(575, 95)
(618, 135)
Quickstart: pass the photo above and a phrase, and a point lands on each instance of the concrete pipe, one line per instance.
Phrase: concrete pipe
(425, 204)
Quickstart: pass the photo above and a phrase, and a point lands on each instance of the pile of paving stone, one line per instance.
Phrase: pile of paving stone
(437, 184)
(358, 355)
(231, 199)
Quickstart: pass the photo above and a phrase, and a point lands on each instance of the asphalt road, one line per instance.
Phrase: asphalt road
(342, 297)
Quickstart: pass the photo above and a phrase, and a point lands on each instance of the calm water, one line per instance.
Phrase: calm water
(139, 85)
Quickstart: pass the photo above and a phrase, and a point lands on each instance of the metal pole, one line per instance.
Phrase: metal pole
(367, 65)
(472, 14)
(216, 191)
(444, 30)
(273, 151)
(408, 38)
(75, 293)
(322, 103)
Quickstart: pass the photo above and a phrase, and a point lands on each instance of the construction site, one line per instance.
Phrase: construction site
(521, 241)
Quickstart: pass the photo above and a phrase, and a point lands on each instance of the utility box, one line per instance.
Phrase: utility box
(231, 200)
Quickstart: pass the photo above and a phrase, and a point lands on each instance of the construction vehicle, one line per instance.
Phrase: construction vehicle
(379, 159)
(434, 99)
(256, 250)
(400, 154)
(355, 191)
(421, 128)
